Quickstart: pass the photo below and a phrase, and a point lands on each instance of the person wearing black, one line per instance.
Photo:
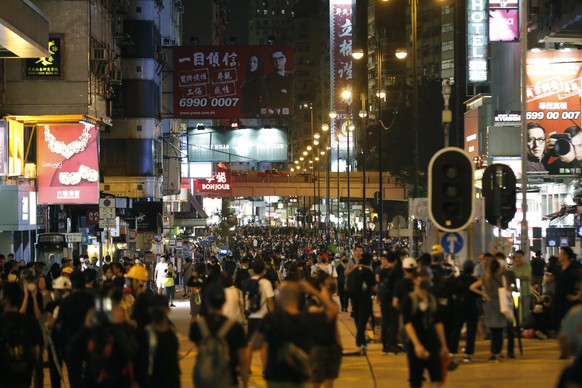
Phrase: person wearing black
(213, 269)
(253, 90)
(71, 317)
(289, 328)
(390, 272)
(157, 359)
(362, 285)
(215, 298)
(340, 268)
(538, 267)
(465, 312)
(567, 291)
(22, 330)
(425, 331)
(242, 273)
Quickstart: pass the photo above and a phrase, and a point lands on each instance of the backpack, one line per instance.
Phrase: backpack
(106, 360)
(15, 347)
(358, 283)
(252, 296)
(213, 359)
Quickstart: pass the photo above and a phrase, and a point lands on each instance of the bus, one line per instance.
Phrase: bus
(52, 248)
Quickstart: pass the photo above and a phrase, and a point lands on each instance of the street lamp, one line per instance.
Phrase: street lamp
(347, 96)
(325, 128)
(333, 115)
(363, 115)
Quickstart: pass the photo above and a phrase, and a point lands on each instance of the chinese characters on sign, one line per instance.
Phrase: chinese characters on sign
(477, 41)
(218, 185)
(232, 81)
(67, 160)
(340, 67)
(48, 67)
(554, 84)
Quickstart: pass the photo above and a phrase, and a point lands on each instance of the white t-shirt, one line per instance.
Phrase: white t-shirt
(266, 292)
(161, 270)
(327, 268)
(232, 306)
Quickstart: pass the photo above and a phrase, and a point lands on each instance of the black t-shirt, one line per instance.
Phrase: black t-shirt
(280, 328)
(465, 299)
(384, 291)
(538, 265)
(166, 365)
(323, 332)
(566, 284)
(73, 311)
(235, 338)
(140, 312)
(360, 284)
(30, 304)
(402, 288)
(423, 315)
(29, 330)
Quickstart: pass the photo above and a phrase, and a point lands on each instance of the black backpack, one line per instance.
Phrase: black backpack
(251, 296)
(16, 351)
(106, 361)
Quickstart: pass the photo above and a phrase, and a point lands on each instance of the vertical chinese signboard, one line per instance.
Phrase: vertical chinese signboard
(477, 41)
(67, 160)
(233, 81)
(554, 87)
(340, 20)
(217, 185)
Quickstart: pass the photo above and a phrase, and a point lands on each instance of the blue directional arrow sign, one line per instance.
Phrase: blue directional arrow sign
(452, 243)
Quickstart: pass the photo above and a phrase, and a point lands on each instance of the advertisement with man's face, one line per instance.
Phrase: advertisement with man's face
(233, 81)
(554, 136)
(67, 160)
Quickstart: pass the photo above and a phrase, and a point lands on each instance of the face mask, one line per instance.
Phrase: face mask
(324, 261)
(344, 261)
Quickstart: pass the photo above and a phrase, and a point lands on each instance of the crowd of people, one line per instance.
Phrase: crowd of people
(278, 296)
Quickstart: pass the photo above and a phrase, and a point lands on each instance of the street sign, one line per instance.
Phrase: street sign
(452, 243)
(106, 213)
(107, 202)
(110, 223)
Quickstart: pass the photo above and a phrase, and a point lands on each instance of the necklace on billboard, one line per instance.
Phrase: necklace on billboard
(74, 178)
(67, 150)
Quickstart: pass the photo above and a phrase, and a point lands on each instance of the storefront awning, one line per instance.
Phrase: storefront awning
(24, 31)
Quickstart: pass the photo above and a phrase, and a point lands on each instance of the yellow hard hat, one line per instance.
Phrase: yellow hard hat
(137, 272)
(437, 249)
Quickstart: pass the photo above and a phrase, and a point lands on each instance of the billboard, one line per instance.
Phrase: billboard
(233, 81)
(15, 148)
(503, 25)
(340, 37)
(219, 184)
(67, 163)
(241, 145)
(553, 89)
(477, 41)
(47, 67)
(3, 148)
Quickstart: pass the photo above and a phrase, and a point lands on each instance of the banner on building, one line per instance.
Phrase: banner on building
(341, 34)
(233, 81)
(3, 148)
(148, 215)
(217, 185)
(67, 163)
(15, 148)
(241, 145)
(554, 87)
(477, 41)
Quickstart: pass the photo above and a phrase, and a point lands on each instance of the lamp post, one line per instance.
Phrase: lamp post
(380, 95)
(325, 128)
(413, 5)
(332, 116)
(363, 115)
(347, 96)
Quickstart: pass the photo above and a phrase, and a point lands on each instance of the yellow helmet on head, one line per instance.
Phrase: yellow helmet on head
(437, 249)
(137, 272)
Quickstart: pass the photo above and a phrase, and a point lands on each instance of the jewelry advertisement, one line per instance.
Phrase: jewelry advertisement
(68, 170)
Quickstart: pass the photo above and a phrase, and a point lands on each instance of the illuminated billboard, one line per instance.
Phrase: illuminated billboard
(553, 91)
(15, 148)
(3, 148)
(219, 184)
(233, 81)
(67, 163)
(477, 41)
(340, 37)
(503, 25)
(47, 67)
(241, 145)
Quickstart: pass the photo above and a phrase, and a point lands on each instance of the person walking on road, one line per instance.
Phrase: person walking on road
(488, 288)
(425, 331)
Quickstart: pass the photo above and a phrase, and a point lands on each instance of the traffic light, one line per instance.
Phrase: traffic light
(500, 194)
(451, 189)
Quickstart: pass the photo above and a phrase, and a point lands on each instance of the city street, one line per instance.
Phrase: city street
(539, 366)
